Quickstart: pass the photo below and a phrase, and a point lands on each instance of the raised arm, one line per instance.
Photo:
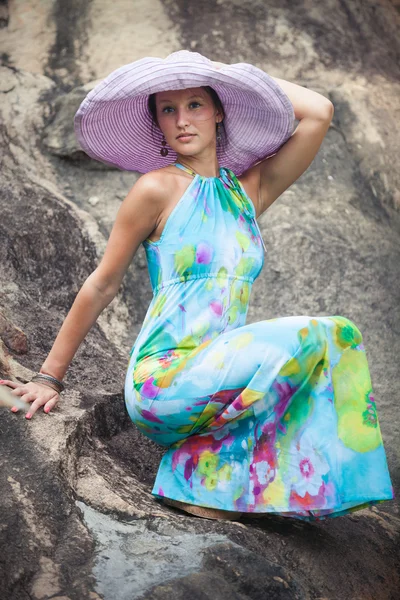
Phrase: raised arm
(137, 217)
(272, 176)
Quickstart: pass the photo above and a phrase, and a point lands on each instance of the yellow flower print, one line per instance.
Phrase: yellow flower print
(239, 295)
(206, 416)
(232, 313)
(185, 428)
(352, 384)
(243, 240)
(244, 266)
(199, 329)
(222, 277)
(276, 493)
(290, 368)
(311, 352)
(249, 396)
(217, 358)
(355, 434)
(225, 473)
(211, 481)
(158, 306)
(345, 333)
(188, 349)
(241, 341)
(208, 463)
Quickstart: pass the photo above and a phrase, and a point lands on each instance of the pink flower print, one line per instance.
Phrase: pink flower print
(309, 466)
(149, 390)
(285, 393)
(217, 307)
(204, 253)
(265, 473)
(149, 416)
(370, 417)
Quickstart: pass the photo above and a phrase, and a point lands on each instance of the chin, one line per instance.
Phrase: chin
(185, 148)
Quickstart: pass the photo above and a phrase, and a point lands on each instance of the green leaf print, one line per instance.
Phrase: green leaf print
(244, 266)
(184, 259)
(222, 277)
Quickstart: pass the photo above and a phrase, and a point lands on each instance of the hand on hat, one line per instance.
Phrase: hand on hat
(218, 65)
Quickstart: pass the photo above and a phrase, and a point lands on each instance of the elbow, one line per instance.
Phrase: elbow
(105, 287)
(326, 111)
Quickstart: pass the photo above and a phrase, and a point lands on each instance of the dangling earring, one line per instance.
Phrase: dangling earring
(218, 132)
(164, 151)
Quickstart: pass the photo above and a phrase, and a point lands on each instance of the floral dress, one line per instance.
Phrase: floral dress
(276, 416)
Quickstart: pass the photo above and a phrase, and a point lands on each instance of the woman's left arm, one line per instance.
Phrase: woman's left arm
(277, 173)
(306, 103)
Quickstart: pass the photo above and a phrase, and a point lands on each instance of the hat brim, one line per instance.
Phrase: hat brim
(113, 123)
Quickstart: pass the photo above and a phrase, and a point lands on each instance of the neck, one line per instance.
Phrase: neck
(199, 167)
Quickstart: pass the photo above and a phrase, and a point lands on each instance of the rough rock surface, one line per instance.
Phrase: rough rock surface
(78, 520)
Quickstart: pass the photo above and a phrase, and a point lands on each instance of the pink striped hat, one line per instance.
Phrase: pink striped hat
(113, 123)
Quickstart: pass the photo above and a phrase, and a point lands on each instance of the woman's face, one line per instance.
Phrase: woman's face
(191, 110)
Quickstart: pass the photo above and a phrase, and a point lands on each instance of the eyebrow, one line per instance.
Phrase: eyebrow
(190, 97)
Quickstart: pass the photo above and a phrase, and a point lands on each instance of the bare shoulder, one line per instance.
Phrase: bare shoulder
(150, 185)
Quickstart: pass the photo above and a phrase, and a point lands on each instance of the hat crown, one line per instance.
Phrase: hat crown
(187, 56)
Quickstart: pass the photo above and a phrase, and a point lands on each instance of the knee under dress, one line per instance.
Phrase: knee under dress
(276, 416)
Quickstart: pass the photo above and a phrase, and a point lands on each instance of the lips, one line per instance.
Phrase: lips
(185, 135)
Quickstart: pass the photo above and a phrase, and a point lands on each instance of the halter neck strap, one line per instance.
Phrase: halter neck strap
(192, 172)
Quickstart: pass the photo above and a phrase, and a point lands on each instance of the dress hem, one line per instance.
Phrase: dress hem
(359, 504)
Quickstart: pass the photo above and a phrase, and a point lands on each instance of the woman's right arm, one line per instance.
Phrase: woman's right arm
(137, 217)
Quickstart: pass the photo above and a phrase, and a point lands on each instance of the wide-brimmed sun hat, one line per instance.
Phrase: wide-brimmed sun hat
(114, 125)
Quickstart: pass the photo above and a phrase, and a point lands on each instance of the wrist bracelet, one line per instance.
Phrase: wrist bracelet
(58, 387)
(50, 379)
(46, 383)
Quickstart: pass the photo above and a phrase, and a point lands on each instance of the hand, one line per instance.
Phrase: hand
(218, 65)
(38, 394)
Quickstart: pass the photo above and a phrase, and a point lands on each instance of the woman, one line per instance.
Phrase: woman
(274, 417)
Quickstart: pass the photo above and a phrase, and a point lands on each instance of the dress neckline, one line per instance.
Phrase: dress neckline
(194, 174)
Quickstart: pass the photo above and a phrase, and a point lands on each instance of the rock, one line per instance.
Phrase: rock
(227, 572)
(5, 369)
(12, 336)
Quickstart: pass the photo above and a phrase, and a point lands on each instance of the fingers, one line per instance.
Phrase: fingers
(26, 393)
(50, 404)
(34, 406)
(21, 402)
(11, 384)
(45, 402)
(9, 400)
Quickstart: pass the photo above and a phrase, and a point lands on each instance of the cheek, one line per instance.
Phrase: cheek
(162, 122)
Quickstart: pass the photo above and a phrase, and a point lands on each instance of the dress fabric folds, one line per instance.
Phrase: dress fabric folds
(276, 416)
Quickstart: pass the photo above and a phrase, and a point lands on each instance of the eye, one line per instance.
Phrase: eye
(170, 107)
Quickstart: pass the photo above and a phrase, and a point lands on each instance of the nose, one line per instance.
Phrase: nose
(182, 117)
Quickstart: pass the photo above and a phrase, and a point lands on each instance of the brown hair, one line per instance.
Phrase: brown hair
(215, 98)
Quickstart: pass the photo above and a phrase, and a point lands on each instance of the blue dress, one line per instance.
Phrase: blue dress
(276, 416)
